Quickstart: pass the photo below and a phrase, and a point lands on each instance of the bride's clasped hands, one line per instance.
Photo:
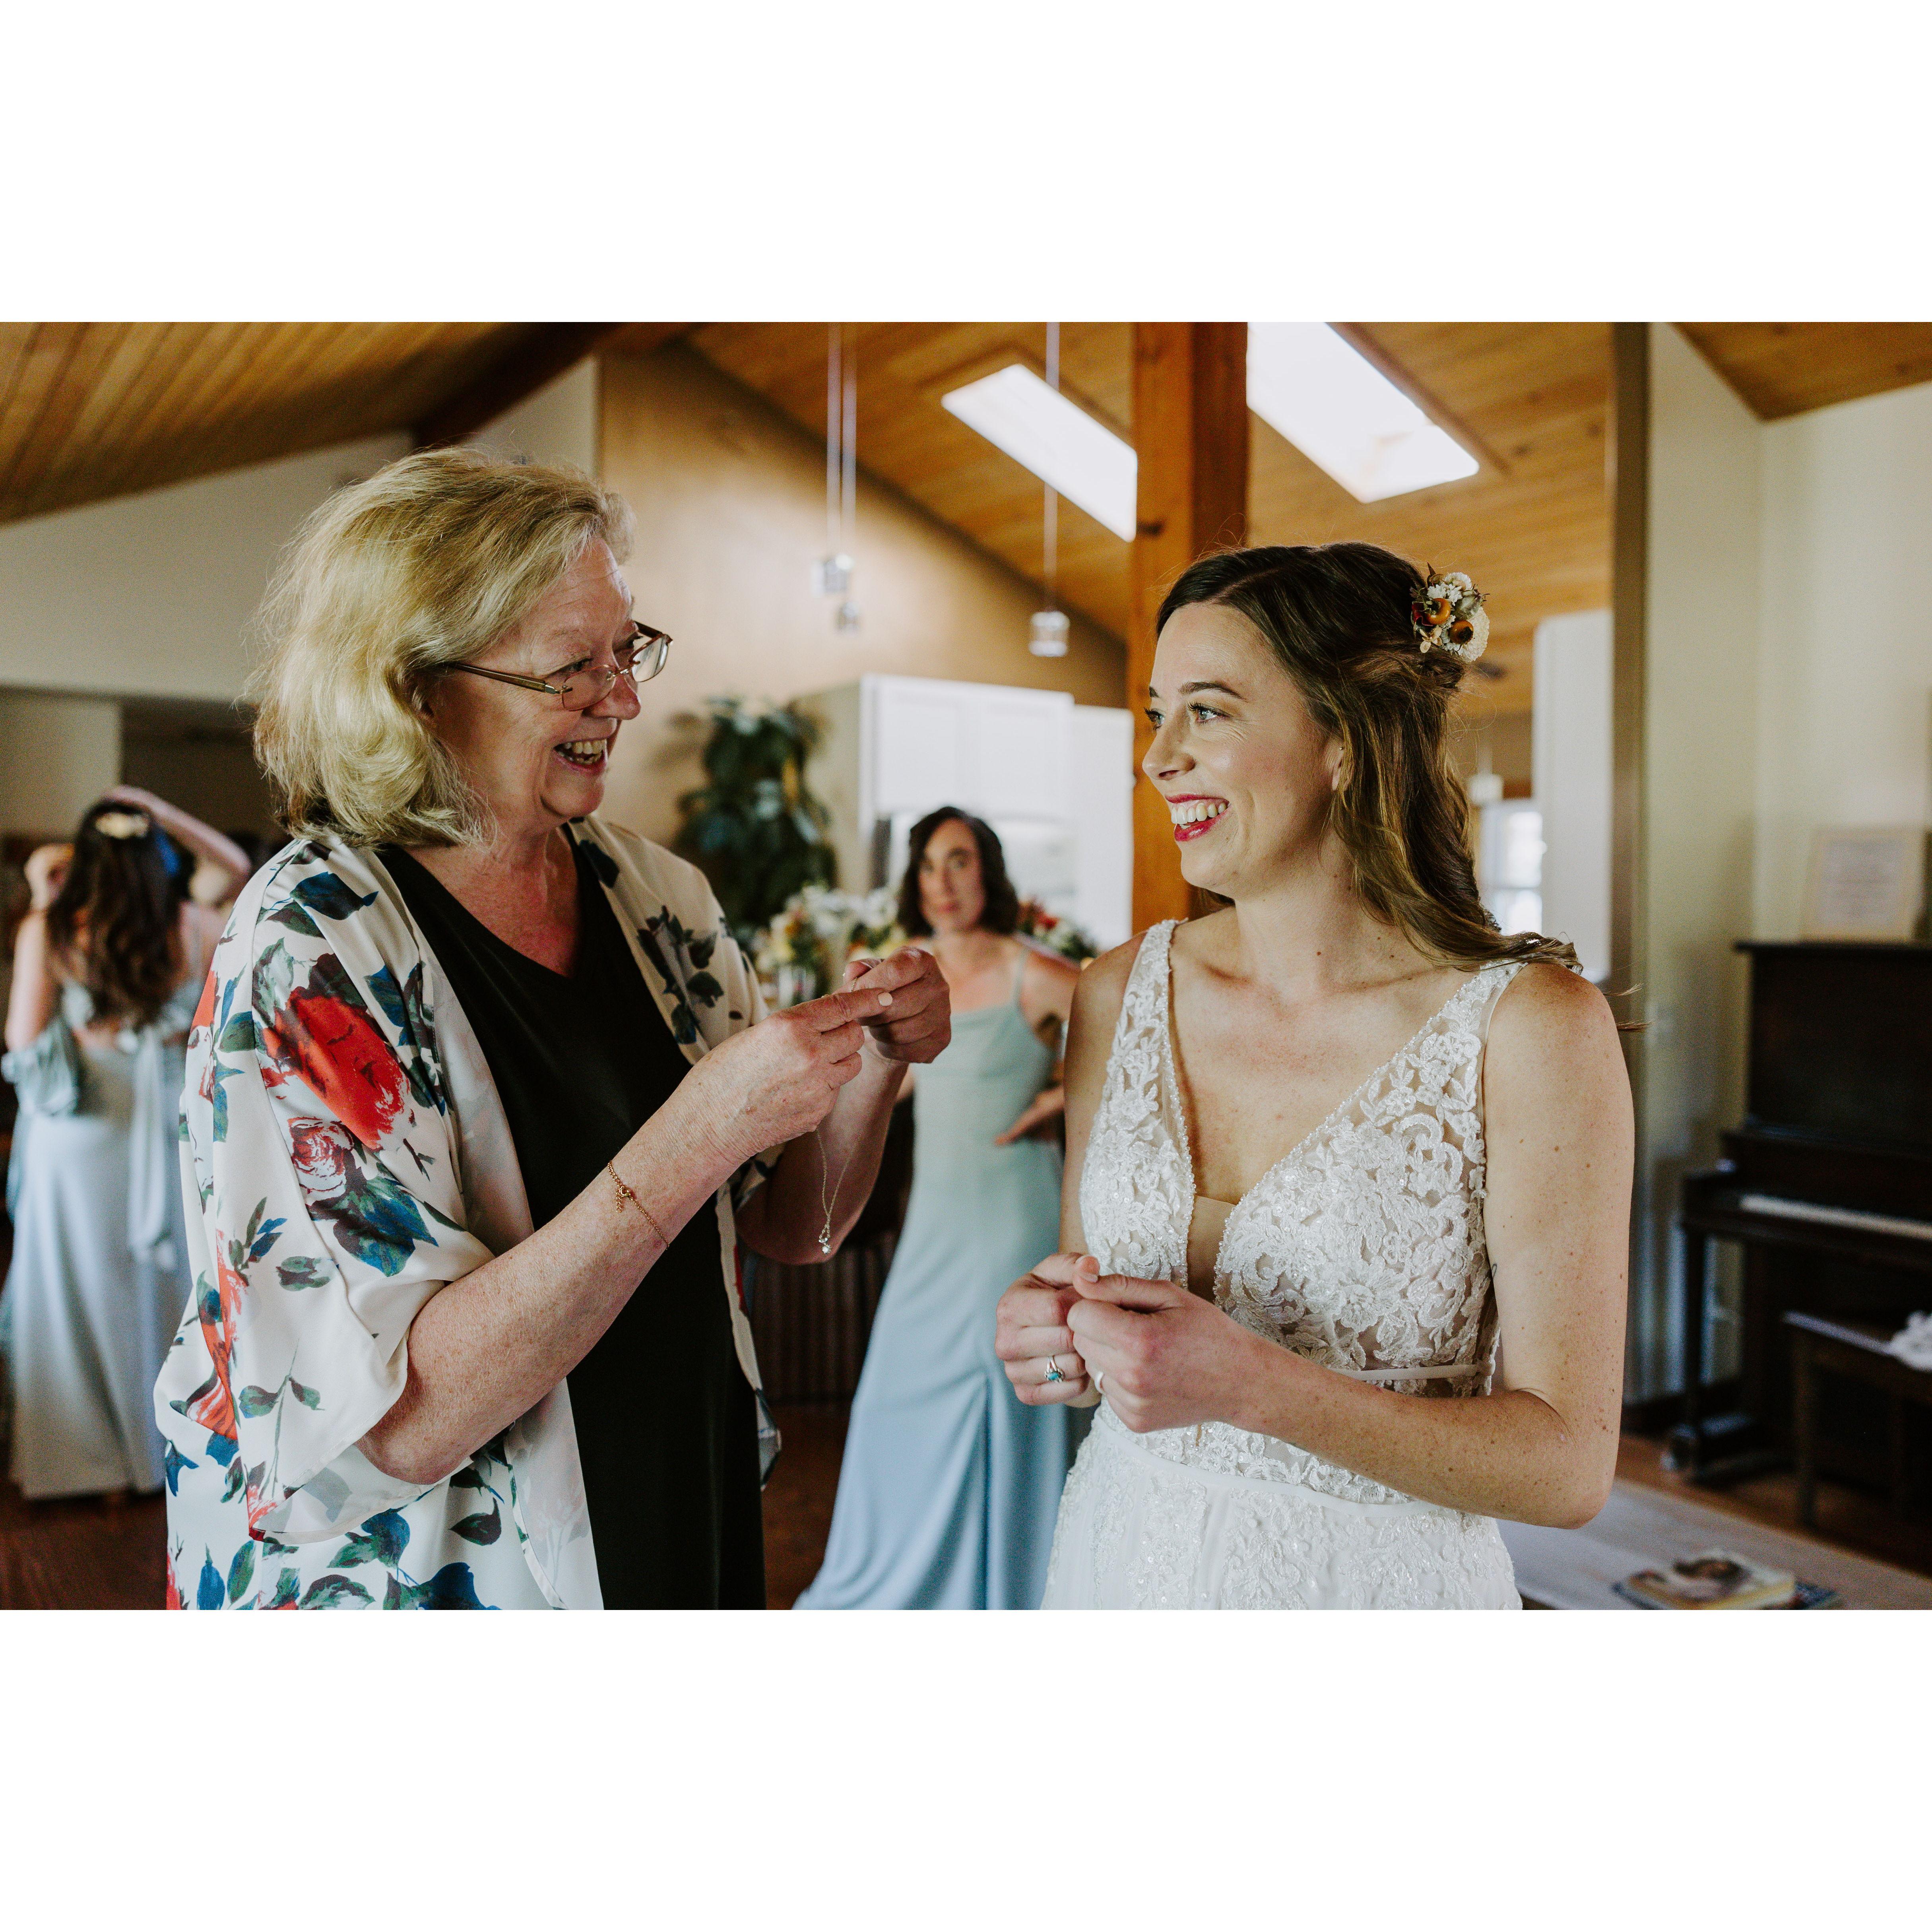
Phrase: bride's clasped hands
(1159, 1356)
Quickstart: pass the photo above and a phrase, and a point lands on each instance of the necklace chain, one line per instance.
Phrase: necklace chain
(825, 1201)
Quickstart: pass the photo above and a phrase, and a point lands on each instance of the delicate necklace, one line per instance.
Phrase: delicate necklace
(825, 1174)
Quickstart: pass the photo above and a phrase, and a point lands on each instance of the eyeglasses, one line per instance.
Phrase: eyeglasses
(577, 687)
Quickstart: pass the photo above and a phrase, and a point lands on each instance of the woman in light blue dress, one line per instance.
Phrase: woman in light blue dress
(107, 966)
(949, 1486)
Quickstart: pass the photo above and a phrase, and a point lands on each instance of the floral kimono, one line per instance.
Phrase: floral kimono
(348, 1155)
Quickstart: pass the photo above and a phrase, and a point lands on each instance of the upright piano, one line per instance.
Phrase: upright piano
(1827, 1185)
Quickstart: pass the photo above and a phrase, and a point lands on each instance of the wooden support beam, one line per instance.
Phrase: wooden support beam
(1191, 434)
(1628, 478)
(550, 349)
(1628, 465)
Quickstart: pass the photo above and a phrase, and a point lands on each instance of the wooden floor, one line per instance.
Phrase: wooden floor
(88, 1554)
(799, 1498)
(83, 1555)
(1855, 1519)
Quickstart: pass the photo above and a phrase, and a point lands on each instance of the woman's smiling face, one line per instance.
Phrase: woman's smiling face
(534, 763)
(1246, 773)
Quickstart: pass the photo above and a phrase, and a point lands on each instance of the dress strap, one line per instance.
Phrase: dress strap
(1498, 977)
(1019, 973)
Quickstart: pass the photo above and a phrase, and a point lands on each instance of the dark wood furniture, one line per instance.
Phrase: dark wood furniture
(1856, 1350)
(1827, 1185)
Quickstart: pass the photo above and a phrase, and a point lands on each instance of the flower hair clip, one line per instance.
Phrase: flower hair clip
(1449, 616)
(122, 825)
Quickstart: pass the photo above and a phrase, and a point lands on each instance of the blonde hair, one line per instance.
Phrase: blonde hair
(428, 563)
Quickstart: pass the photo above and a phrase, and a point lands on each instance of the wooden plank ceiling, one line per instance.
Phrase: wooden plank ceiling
(1784, 368)
(94, 409)
(1531, 526)
(90, 410)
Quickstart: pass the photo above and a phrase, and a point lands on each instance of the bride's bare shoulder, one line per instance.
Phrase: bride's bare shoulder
(1551, 1021)
(1102, 985)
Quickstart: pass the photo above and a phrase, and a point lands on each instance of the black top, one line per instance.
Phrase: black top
(667, 1426)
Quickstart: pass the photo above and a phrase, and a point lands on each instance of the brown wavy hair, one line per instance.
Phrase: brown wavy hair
(1337, 618)
(114, 927)
(1002, 911)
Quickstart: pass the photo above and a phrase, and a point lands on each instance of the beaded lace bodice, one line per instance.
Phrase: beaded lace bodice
(1362, 1249)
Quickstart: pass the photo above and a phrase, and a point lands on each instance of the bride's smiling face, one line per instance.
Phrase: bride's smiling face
(1246, 773)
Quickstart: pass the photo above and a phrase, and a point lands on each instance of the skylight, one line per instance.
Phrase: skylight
(1342, 412)
(1329, 401)
(1056, 440)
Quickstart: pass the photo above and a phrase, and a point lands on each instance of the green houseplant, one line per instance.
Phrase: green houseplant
(753, 827)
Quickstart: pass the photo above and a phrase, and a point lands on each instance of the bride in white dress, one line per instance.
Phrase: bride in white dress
(1328, 1146)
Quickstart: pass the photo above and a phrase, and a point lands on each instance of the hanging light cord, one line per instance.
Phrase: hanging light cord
(848, 441)
(1050, 516)
(834, 421)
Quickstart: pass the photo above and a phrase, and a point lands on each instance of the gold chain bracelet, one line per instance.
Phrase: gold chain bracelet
(625, 1194)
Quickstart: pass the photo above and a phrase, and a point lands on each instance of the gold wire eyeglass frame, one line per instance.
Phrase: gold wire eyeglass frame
(647, 649)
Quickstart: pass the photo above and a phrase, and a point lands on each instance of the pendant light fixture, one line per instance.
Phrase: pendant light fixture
(832, 575)
(1047, 633)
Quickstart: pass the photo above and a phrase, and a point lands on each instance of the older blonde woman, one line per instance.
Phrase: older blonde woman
(480, 1098)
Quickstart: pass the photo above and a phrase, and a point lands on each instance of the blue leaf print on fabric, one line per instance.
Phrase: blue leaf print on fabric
(325, 893)
(293, 916)
(173, 1463)
(382, 1539)
(479, 1528)
(601, 863)
(242, 1571)
(332, 1592)
(375, 1220)
(403, 1007)
(209, 1593)
(452, 1588)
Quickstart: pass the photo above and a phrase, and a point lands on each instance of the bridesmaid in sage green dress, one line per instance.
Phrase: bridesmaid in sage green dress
(950, 1485)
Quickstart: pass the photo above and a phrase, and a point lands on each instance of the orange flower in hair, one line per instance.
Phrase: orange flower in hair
(1449, 616)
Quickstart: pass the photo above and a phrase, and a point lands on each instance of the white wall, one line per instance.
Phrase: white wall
(559, 424)
(1570, 775)
(1845, 672)
(57, 756)
(1699, 794)
(730, 498)
(151, 595)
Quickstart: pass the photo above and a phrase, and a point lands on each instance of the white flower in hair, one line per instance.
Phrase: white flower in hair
(1449, 617)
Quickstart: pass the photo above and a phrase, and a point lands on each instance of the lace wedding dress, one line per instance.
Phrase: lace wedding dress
(1362, 1248)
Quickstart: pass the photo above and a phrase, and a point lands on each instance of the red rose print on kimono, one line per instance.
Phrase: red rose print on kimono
(204, 1011)
(321, 1151)
(322, 1033)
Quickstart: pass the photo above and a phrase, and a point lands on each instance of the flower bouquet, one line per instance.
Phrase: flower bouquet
(802, 953)
(1055, 934)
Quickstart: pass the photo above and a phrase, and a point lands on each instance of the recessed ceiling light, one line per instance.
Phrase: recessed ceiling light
(1342, 412)
(1056, 440)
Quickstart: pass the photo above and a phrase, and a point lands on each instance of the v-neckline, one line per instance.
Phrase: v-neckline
(1170, 1068)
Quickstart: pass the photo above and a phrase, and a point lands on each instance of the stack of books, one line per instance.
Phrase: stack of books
(1719, 1579)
